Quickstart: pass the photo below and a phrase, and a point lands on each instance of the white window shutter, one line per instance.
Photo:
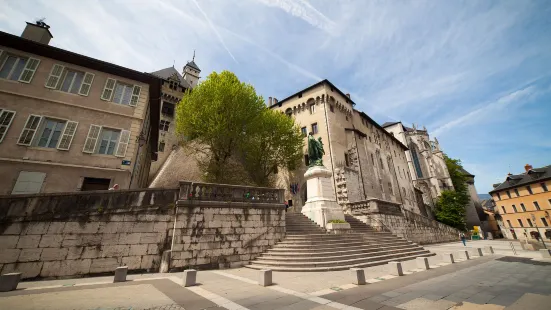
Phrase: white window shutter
(107, 92)
(123, 143)
(92, 139)
(67, 136)
(28, 132)
(135, 95)
(86, 84)
(55, 76)
(6, 117)
(30, 69)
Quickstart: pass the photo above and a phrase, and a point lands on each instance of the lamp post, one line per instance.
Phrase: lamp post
(537, 228)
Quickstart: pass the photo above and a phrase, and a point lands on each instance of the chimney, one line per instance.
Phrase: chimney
(528, 167)
(348, 95)
(269, 101)
(275, 101)
(38, 32)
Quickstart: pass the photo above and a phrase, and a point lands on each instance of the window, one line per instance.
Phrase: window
(544, 187)
(50, 133)
(509, 223)
(417, 164)
(69, 81)
(304, 131)
(17, 68)
(544, 221)
(346, 160)
(503, 208)
(516, 192)
(381, 161)
(529, 189)
(515, 209)
(168, 109)
(95, 184)
(312, 109)
(6, 117)
(28, 183)
(390, 188)
(306, 160)
(331, 108)
(529, 223)
(520, 223)
(106, 141)
(372, 160)
(508, 194)
(161, 146)
(346, 117)
(523, 208)
(164, 125)
(315, 128)
(121, 93)
(536, 205)
(289, 112)
(300, 95)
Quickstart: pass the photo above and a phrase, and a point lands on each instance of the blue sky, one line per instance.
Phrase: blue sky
(477, 74)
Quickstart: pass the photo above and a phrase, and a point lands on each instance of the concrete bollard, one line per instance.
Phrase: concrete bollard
(359, 276)
(545, 253)
(448, 258)
(467, 255)
(9, 281)
(396, 268)
(489, 250)
(165, 261)
(265, 277)
(120, 274)
(189, 277)
(479, 252)
(423, 263)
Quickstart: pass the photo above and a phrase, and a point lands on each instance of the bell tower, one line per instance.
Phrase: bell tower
(191, 72)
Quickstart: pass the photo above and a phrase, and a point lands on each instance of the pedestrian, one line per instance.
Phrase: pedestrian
(115, 187)
(286, 206)
(463, 239)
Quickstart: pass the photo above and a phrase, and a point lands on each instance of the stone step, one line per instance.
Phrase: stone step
(332, 263)
(255, 265)
(348, 250)
(313, 241)
(335, 257)
(338, 245)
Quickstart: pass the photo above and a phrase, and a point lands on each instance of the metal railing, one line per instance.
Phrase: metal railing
(229, 193)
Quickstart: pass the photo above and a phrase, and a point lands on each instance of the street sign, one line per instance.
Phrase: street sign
(126, 162)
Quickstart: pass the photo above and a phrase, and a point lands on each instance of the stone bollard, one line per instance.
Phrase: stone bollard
(265, 277)
(545, 253)
(120, 274)
(189, 278)
(489, 250)
(359, 276)
(467, 255)
(396, 268)
(448, 258)
(479, 252)
(165, 261)
(423, 263)
(9, 281)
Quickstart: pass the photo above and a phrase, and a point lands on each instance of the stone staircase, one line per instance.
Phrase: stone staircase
(308, 247)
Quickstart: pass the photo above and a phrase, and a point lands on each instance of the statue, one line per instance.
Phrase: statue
(315, 151)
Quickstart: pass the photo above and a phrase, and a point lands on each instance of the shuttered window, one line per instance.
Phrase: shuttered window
(29, 130)
(6, 118)
(30, 69)
(135, 95)
(55, 76)
(91, 139)
(17, 68)
(123, 143)
(121, 93)
(86, 84)
(68, 134)
(107, 93)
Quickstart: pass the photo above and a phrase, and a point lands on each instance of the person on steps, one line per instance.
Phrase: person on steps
(463, 239)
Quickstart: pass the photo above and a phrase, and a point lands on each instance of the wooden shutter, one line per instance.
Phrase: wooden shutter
(92, 139)
(86, 84)
(107, 93)
(31, 126)
(55, 76)
(6, 117)
(123, 143)
(67, 136)
(135, 95)
(30, 69)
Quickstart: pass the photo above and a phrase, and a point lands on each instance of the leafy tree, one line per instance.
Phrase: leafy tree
(450, 207)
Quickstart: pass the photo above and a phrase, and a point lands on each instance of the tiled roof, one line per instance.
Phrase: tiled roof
(166, 73)
(193, 65)
(532, 176)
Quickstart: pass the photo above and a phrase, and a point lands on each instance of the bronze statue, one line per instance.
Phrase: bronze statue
(315, 151)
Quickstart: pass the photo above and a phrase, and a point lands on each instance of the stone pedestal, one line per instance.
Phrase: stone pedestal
(321, 204)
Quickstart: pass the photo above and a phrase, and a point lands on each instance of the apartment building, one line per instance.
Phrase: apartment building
(368, 163)
(70, 122)
(523, 202)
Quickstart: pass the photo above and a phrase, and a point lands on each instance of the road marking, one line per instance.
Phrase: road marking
(217, 299)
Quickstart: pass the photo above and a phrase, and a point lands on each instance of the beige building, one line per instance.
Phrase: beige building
(174, 87)
(70, 122)
(368, 163)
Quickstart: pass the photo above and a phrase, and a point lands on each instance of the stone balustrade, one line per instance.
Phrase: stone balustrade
(229, 193)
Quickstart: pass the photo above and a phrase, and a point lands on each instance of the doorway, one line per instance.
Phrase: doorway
(95, 184)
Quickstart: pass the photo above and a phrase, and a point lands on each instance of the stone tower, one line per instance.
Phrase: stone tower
(191, 72)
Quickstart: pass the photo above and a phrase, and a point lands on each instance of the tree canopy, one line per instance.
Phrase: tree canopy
(243, 142)
(450, 207)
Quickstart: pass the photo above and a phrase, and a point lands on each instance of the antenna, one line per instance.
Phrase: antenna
(193, 56)
(173, 63)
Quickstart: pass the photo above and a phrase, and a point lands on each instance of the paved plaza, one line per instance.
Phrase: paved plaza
(498, 281)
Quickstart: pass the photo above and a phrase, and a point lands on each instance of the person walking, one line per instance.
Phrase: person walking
(463, 239)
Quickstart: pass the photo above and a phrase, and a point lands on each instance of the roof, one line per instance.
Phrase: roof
(166, 73)
(465, 172)
(29, 46)
(369, 119)
(387, 124)
(193, 65)
(325, 81)
(532, 176)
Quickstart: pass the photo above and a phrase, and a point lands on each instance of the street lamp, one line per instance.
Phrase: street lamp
(537, 228)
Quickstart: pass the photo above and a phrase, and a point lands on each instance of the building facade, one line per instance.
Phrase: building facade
(174, 87)
(368, 163)
(425, 158)
(69, 122)
(523, 202)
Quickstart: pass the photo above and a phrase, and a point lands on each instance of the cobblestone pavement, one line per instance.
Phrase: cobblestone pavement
(167, 307)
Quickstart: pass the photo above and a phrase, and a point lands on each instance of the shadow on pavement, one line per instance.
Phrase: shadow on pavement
(524, 260)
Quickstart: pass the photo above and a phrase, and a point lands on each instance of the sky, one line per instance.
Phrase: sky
(476, 73)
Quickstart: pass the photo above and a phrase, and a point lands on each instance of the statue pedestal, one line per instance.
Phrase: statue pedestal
(321, 204)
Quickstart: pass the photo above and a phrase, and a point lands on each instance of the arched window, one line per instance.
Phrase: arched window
(416, 161)
(289, 112)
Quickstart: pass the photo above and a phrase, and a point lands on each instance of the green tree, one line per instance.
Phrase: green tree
(450, 207)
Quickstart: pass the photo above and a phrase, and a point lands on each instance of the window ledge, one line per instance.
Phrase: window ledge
(11, 81)
(39, 148)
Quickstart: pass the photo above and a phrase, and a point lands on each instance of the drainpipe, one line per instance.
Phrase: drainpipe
(329, 142)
